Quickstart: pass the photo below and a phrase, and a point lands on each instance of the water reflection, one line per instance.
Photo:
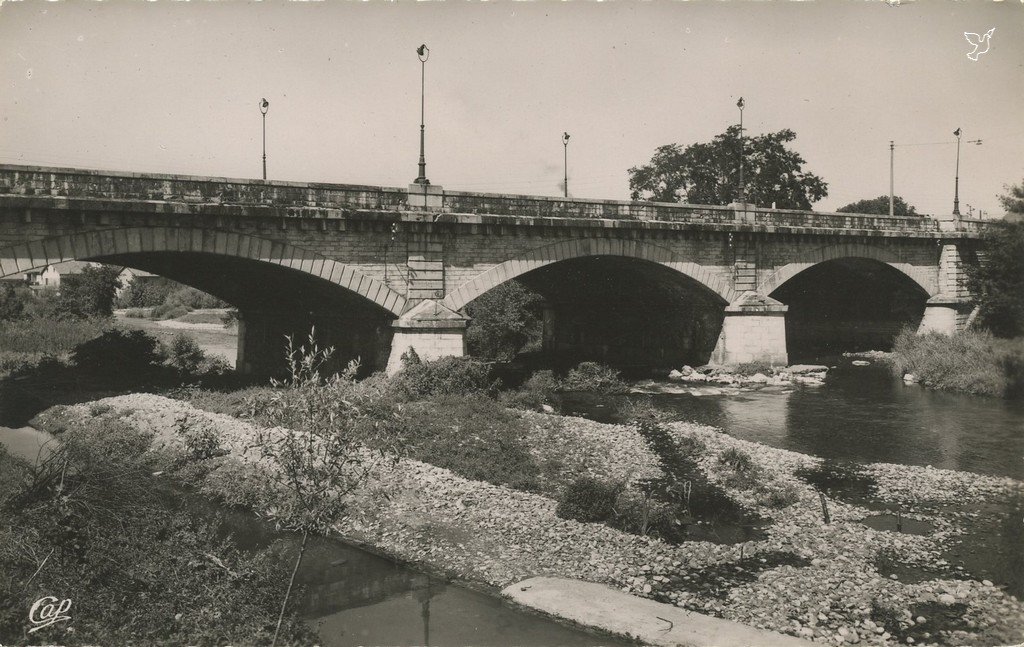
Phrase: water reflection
(863, 414)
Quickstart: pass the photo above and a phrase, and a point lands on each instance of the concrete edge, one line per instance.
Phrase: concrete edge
(653, 623)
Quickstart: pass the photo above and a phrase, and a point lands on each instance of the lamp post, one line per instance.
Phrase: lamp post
(264, 106)
(956, 190)
(565, 145)
(743, 189)
(423, 52)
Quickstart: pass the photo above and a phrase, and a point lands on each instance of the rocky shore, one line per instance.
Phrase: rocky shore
(822, 581)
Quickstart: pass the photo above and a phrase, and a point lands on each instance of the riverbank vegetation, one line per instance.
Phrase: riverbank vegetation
(972, 362)
(139, 563)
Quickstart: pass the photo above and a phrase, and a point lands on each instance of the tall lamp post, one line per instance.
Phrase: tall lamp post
(956, 189)
(565, 144)
(424, 53)
(264, 106)
(743, 189)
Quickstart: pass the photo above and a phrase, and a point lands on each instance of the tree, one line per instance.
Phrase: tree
(1013, 200)
(708, 173)
(880, 206)
(998, 282)
(327, 438)
(89, 294)
(504, 320)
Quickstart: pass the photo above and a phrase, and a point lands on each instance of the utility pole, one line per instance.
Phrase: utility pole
(565, 144)
(892, 149)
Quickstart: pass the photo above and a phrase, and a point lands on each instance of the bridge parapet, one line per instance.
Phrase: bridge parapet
(79, 183)
(32, 181)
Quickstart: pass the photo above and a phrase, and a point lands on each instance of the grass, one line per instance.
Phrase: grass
(48, 336)
(968, 362)
(91, 525)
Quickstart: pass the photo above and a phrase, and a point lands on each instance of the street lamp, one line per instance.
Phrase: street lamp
(264, 106)
(892, 148)
(743, 189)
(423, 52)
(956, 190)
(565, 144)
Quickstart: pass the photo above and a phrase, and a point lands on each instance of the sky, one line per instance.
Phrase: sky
(174, 87)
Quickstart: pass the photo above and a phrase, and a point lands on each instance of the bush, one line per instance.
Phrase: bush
(123, 354)
(998, 283)
(184, 354)
(168, 311)
(445, 376)
(12, 301)
(753, 368)
(107, 530)
(503, 321)
(473, 436)
(969, 362)
(88, 294)
(539, 389)
(594, 377)
(588, 500)
(35, 335)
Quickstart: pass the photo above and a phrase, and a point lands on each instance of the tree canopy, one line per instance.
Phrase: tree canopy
(880, 206)
(1013, 200)
(998, 282)
(708, 173)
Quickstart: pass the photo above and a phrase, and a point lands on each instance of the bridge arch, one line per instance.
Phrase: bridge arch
(923, 277)
(25, 257)
(579, 248)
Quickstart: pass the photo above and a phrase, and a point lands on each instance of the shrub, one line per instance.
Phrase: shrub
(503, 321)
(184, 354)
(539, 389)
(473, 436)
(12, 301)
(998, 283)
(107, 529)
(88, 294)
(778, 495)
(752, 368)
(123, 354)
(36, 335)
(168, 311)
(969, 362)
(594, 377)
(588, 500)
(445, 376)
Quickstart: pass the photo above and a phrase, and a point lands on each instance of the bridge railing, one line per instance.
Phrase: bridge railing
(71, 183)
(77, 183)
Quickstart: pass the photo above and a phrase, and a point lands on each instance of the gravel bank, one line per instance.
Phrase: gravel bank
(496, 536)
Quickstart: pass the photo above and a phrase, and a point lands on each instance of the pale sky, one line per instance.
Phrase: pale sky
(174, 88)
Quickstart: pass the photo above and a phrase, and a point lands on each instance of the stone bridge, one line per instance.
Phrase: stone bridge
(382, 269)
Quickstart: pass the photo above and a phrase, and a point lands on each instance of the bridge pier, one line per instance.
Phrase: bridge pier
(754, 329)
(432, 330)
(947, 311)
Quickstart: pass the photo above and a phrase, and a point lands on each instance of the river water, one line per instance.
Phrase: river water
(861, 414)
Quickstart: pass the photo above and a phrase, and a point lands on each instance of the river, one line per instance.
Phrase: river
(861, 414)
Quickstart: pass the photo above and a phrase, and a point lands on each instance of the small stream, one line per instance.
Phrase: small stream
(353, 597)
